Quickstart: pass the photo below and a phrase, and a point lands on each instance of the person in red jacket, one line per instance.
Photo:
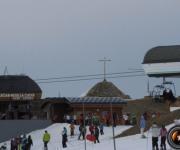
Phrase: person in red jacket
(163, 134)
(91, 129)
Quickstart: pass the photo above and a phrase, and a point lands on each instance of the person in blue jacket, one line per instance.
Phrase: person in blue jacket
(142, 126)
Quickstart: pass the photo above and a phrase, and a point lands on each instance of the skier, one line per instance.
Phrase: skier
(18, 141)
(82, 130)
(24, 142)
(29, 143)
(46, 139)
(142, 126)
(64, 137)
(101, 129)
(72, 127)
(13, 144)
(96, 134)
(155, 134)
(163, 134)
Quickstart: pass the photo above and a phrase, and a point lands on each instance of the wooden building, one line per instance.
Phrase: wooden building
(20, 98)
(57, 108)
(99, 101)
(17, 94)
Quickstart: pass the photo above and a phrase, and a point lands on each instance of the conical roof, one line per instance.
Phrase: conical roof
(106, 89)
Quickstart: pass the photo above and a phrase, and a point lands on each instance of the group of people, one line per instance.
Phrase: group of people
(21, 143)
(93, 118)
(79, 119)
(94, 130)
(155, 131)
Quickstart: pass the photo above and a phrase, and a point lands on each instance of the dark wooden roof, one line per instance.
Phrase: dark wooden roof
(162, 54)
(106, 89)
(18, 84)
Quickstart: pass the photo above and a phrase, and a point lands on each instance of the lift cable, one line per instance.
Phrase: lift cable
(84, 76)
(95, 78)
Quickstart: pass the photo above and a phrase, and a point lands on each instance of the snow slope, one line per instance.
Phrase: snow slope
(106, 143)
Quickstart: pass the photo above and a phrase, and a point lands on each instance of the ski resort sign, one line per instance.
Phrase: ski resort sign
(17, 96)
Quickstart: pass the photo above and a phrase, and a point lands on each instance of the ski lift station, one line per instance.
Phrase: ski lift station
(162, 61)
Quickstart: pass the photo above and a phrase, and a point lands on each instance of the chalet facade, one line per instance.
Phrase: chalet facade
(102, 107)
(20, 98)
(17, 94)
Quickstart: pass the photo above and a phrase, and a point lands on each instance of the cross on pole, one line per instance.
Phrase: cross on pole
(105, 60)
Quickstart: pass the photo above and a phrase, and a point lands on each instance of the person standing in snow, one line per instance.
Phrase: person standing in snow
(101, 126)
(91, 129)
(13, 144)
(82, 130)
(18, 140)
(24, 142)
(142, 126)
(163, 134)
(96, 134)
(155, 135)
(64, 137)
(72, 127)
(46, 139)
(29, 143)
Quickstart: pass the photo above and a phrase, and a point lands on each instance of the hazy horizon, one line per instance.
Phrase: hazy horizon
(59, 38)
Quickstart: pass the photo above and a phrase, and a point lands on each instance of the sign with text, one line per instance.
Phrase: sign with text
(17, 96)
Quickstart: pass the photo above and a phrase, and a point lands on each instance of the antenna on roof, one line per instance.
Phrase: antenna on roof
(59, 94)
(6, 71)
(105, 60)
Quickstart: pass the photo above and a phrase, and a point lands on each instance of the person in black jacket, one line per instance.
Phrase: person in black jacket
(96, 134)
(29, 143)
(64, 137)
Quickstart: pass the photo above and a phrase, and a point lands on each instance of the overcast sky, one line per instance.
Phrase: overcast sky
(54, 38)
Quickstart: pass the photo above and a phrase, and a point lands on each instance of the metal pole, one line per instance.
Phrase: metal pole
(84, 127)
(105, 60)
(104, 70)
(114, 141)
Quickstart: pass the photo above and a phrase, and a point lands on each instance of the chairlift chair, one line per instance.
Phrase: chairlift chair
(157, 93)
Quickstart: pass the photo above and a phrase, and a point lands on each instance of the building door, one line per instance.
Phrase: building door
(59, 110)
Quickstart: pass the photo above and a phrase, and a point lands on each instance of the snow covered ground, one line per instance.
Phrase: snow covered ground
(106, 143)
(174, 109)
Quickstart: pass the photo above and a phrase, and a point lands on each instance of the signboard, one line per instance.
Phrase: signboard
(17, 96)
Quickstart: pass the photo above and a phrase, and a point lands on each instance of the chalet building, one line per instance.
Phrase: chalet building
(17, 94)
(102, 100)
(20, 98)
(57, 108)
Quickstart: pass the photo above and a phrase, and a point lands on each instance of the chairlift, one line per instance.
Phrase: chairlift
(157, 93)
